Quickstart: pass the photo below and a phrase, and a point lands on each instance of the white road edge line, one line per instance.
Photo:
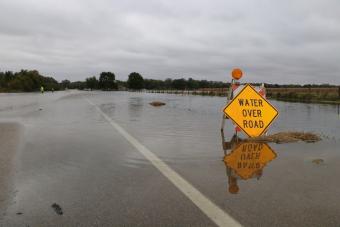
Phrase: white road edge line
(216, 214)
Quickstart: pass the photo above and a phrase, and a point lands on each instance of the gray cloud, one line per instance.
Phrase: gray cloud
(293, 41)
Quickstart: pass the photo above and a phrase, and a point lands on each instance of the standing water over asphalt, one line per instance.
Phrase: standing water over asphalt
(188, 112)
(293, 184)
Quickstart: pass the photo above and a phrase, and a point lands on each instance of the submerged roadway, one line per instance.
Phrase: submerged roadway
(109, 159)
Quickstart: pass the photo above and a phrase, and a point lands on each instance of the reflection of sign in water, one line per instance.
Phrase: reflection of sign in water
(251, 112)
(248, 158)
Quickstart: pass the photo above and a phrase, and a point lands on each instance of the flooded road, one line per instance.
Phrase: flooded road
(68, 154)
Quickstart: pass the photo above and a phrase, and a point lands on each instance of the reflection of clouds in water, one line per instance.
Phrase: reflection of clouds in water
(135, 107)
(308, 111)
(309, 117)
(108, 108)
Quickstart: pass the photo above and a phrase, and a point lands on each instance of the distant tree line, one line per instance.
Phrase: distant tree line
(182, 84)
(31, 80)
(136, 81)
(107, 81)
(300, 86)
(26, 81)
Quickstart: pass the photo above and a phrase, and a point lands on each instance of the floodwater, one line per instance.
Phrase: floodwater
(258, 184)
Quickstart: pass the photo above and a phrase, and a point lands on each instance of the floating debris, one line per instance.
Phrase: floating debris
(157, 103)
(57, 209)
(287, 137)
(19, 213)
(318, 161)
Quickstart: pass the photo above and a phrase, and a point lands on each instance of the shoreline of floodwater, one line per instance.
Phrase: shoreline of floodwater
(302, 99)
(297, 99)
(331, 102)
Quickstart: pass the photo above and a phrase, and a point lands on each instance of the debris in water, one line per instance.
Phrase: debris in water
(57, 209)
(318, 161)
(287, 137)
(19, 213)
(157, 103)
(40, 109)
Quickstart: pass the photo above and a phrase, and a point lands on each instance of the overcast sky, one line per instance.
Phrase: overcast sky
(283, 41)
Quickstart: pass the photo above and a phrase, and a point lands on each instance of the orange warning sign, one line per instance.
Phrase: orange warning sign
(251, 112)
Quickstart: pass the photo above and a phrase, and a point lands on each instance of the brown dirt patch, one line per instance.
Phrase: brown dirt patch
(157, 103)
(318, 161)
(287, 137)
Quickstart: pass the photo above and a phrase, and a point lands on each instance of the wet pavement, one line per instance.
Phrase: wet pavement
(69, 155)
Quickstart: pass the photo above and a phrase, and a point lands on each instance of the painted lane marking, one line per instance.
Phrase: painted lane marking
(216, 214)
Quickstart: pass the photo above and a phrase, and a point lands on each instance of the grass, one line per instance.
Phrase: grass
(305, 97)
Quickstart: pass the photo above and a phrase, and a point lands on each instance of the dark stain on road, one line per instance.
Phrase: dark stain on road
(57, 209)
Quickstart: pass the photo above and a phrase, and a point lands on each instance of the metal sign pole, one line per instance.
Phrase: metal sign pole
(230, 96)
(236, 75)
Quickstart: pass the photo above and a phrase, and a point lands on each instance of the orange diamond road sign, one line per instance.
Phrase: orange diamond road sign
(251, 112)
(248, 158)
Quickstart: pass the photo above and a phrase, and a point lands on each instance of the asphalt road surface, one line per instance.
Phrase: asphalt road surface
(110, 159)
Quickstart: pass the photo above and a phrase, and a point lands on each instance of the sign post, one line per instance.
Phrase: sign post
(236, 75)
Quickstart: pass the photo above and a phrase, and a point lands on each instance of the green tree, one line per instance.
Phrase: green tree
(77, 85)
(107, 81)
(92, 82)
(135, 81)
(179, 84)
(203, 84)
(65, 84)
(5, 78)
(121, 85)
(153, 84)
(26, 80)
(192, 84)
(168, 83)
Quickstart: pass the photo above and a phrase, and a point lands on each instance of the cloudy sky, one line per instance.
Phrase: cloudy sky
(283, 41)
